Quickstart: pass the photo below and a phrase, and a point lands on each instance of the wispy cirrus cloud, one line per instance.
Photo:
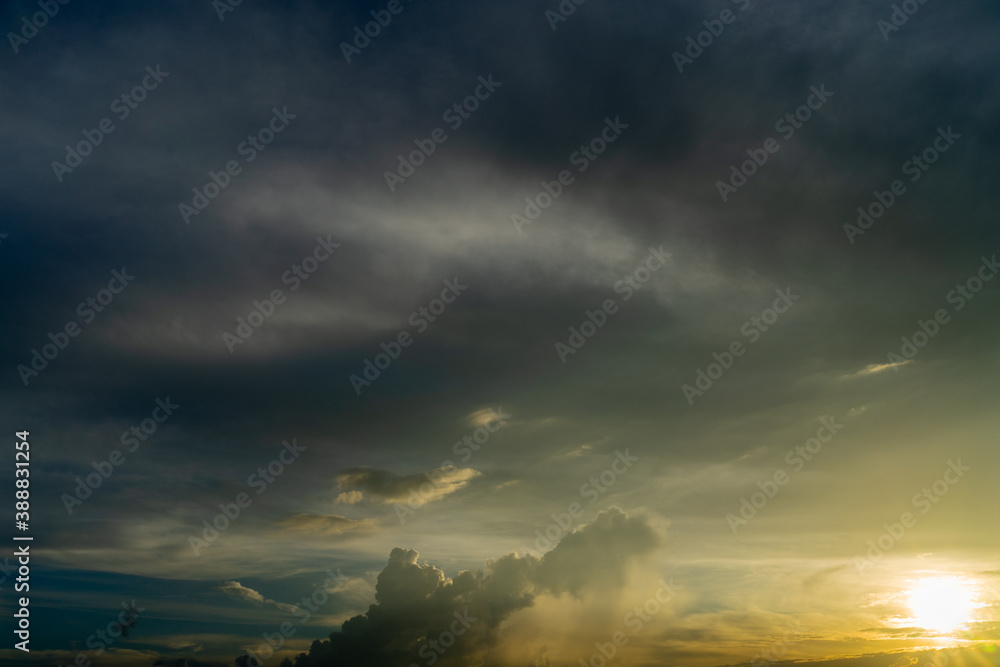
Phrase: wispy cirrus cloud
(872, 369)
(327, 524)
(391, 488)
(238, 591)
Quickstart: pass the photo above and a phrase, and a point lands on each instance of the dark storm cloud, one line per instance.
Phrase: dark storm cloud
(599, 552)
(583, 51)
(421, 612)
(215, 264)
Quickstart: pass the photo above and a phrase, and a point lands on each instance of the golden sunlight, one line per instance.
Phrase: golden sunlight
(941, 603)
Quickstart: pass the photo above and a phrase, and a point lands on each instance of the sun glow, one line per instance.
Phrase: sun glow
(942, 604)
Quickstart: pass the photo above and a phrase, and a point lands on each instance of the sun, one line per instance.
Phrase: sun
(941, 603)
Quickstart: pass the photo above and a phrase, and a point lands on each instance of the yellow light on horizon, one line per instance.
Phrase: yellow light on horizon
(942, 604)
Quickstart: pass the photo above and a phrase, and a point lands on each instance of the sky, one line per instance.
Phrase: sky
(514, 334)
